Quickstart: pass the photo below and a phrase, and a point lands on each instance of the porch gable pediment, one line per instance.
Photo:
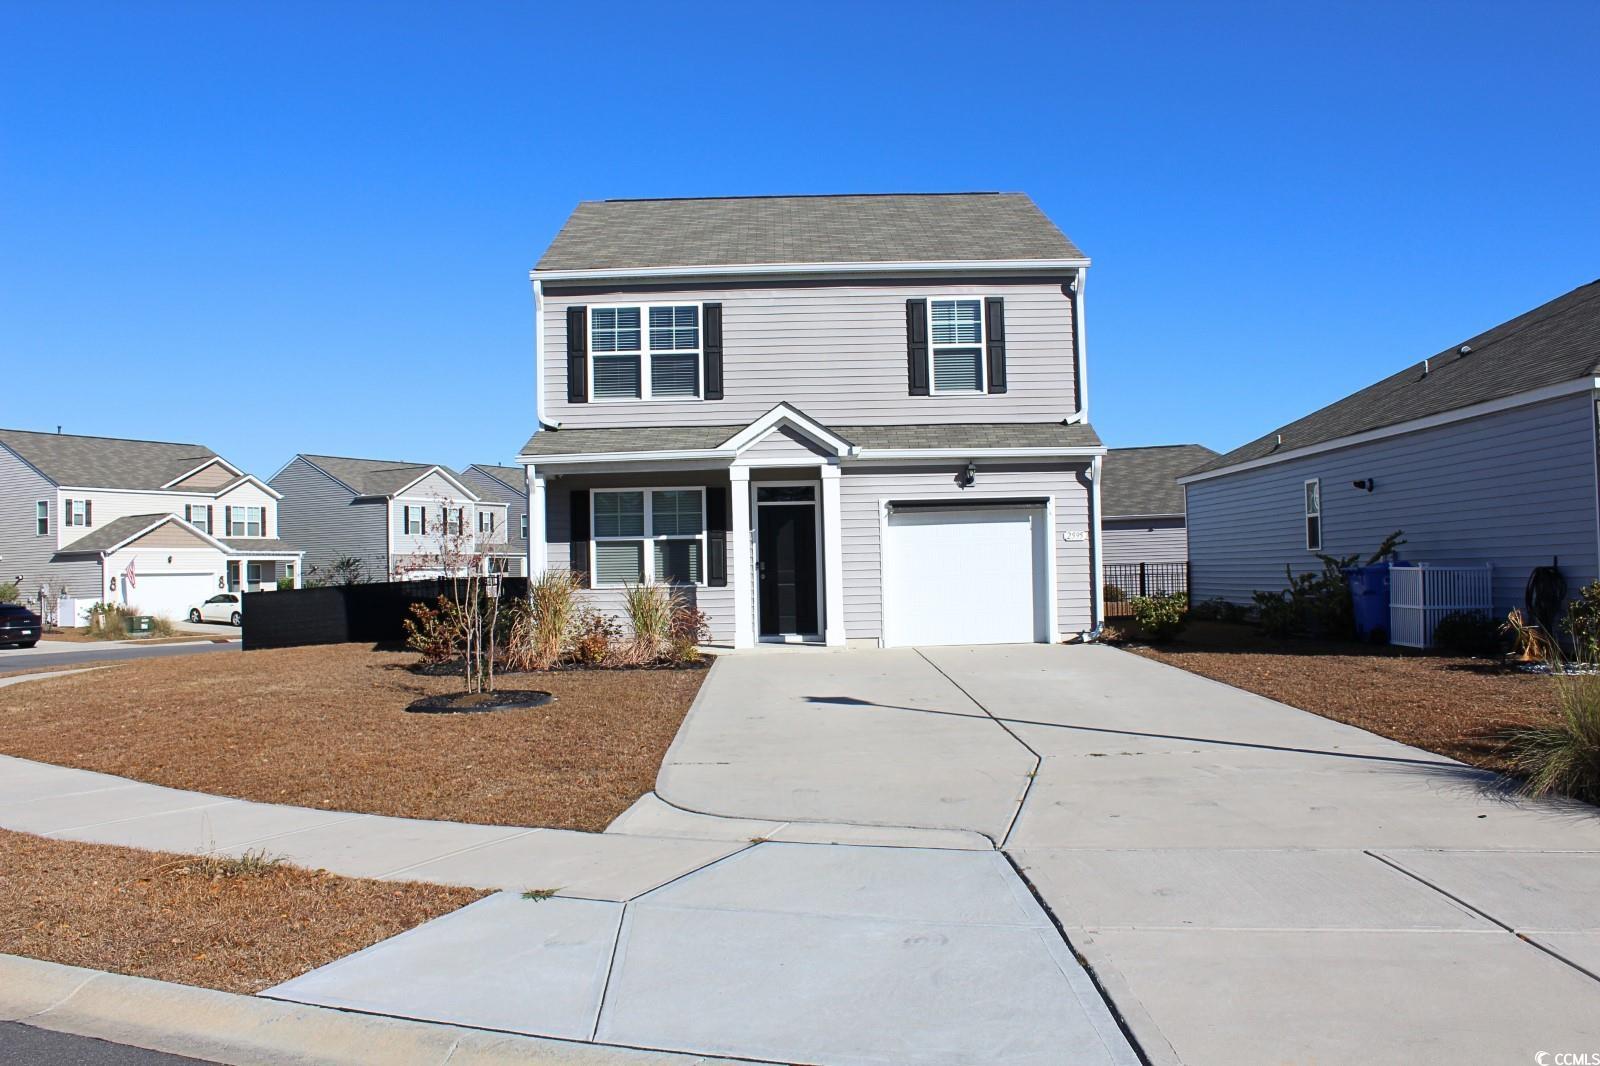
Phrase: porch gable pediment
(801, 430)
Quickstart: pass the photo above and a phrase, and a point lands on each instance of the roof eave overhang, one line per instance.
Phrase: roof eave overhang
(213, 461)
(860, 455)
(1444, 418)
(954, 266)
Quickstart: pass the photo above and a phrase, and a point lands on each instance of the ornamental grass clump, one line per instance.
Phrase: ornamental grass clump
(650, 608)
(1563, 756)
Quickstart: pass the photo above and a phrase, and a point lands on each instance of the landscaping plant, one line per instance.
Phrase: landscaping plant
(1218, 609)
(1470, 633)
(1529, 643)
(9, 592)
(1583, 623)
(650, 608)
(1564, 756)
(552, 607)
(689, 630)
(594, 635)
(1318, 604)
(1160, 617)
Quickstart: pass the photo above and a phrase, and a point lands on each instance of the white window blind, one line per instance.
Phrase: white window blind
(956, 335)
(646, 352)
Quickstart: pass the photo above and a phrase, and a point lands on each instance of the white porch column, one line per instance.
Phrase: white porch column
(537, 548)
(832, 560)
(744, 613)
(299, 565)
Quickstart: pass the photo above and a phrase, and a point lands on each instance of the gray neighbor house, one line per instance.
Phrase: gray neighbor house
(1483, 454)
(1142, 511)
(844, 420)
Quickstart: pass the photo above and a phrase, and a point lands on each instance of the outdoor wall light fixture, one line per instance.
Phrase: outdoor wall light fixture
(1366, 484)
(968, 477)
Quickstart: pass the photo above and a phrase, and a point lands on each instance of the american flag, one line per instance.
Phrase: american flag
(129, 578)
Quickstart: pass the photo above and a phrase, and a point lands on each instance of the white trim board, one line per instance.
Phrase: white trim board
(954, 266)
(1444, 418)
(861, 456)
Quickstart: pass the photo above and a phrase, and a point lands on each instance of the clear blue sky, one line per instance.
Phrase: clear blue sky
(280, 227)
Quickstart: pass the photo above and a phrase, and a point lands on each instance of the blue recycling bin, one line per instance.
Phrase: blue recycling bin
(1369, 595)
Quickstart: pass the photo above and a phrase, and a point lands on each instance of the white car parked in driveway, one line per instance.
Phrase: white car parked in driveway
(223, 607)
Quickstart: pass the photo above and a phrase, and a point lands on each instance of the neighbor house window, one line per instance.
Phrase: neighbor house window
(1314, 515)
(646, 352)
(41, 518)
(244, 521)
(523, 525)
(649, 535)
(77, 513)
(485, 521)
(414, 520)
(198, 515)
(955, 332)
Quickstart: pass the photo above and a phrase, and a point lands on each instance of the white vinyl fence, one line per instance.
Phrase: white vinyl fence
(1420, 595)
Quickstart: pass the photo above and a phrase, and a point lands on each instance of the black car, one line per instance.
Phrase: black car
(18, 625)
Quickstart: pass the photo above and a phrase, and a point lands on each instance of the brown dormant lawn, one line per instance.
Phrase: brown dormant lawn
(234, 926)
(326, 727)
(1456, 707)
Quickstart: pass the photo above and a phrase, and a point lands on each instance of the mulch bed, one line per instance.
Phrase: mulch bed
(501, 699)
(326, 727)
(182, 918)
(1454, 706)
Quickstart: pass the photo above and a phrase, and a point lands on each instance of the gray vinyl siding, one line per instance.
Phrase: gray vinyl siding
(516, 508)
(1514, 489)
(862, 490)
(28, 555)
(717, 603)
(783, 446)
(324, 519)
(1143, 540)
(837, 352)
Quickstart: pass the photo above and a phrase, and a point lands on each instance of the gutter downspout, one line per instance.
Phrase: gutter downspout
(1080, 364)
(1097, 575)
(538, 356)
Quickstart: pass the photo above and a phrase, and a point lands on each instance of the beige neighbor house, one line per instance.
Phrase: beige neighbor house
(149, 525)
(832, 419)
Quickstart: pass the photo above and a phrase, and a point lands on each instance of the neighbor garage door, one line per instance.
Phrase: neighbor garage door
(966, 575)
(170, 595)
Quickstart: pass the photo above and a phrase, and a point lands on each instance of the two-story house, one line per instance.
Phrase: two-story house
(153, 526)
(835, 419)
(399, 520)
(508, 485)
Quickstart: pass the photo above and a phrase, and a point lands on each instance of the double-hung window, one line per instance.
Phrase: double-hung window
(523, 525)
(1313, 515)
(77, 513)
(485, 521)
(955, 333)
(245, 521)
(648, 352)
(41, 518)
(413, 519)
(649, 535)
(452, 520)
(198, 515)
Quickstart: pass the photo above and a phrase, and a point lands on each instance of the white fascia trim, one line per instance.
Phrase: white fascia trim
(694, 455)
(257, 482)
(157, 524)
(954, 266)
(442, 472)
(975, 454)
(1445, 418)
(1141, 517)
(784, 415)
(201, 494)
(215, 459)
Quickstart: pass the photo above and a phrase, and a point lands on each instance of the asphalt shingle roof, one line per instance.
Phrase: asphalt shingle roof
(373, 477)
(258, 544)
(696, 438)
(1554, 343)
(767, 230)
(114, 532)
(1142, 481)
(104, 462)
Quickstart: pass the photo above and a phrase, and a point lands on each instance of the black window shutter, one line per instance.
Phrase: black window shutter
(88, 512)
(227, 521)
(579, 562)
(577, 355)
(995, 332)
(712, 314)
(917, 346)
(210, 528)
(717, 537)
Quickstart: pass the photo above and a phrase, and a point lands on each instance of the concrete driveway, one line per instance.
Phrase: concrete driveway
(1249, 883)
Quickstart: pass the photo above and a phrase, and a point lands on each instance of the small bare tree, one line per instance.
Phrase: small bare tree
(470, 611)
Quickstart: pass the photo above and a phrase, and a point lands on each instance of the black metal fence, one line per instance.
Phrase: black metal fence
(343, 614)
(1124, 581)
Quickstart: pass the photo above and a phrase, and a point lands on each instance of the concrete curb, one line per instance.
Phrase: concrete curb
(249, 1031)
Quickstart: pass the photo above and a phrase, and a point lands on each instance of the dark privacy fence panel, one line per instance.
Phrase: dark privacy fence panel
(344, 614)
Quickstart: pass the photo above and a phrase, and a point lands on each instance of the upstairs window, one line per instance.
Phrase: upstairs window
(41, 518)
(198, 515)
(955, 334)
(523, 525)
(645, 352)
(245, 521)
(77, 513)
(485, 521)
(1313, 515)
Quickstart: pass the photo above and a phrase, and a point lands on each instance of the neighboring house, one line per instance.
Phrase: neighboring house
(839, 419)
(1143, 503)
(1484, 453)
(400, 520)
(154, 526)
(509, 485)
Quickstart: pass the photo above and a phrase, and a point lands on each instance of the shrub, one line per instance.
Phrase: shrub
(1468, 633)
(650, 610)
(689, 630)
(285, 584)
(1161, 617)
(1217, 609)
(1275, 613)
(9, 592)
(594, 636)
(1529, 643)
(1583, 622)
(431, 632)
(1564, 756)
(1114, 594)
(538, 632)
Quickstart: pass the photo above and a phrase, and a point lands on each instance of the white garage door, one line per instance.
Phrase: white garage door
(973, 575)
(170, 595)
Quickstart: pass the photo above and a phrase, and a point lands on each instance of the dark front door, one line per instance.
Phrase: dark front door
(786, 546)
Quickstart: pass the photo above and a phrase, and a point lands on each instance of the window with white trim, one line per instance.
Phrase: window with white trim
(647, 352)
(198, 515)
(642, 535)
(955, 338)
(452, 520)
(246, 521)
(523, 525)
(485, 521)
(413, 519)
(77, 513)
(41, 518)
(1313, 514)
